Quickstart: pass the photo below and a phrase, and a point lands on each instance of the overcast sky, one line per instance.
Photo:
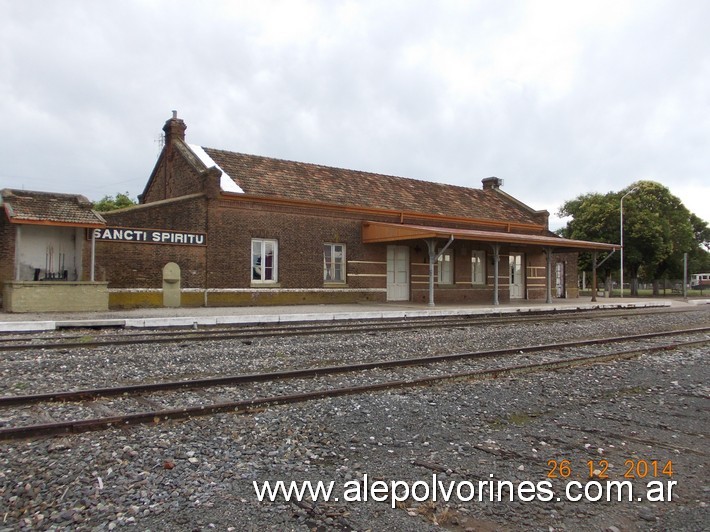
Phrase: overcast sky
(558, 98)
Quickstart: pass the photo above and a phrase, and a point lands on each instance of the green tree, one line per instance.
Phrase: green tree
(109, 203)
(701, 231)
(595, 219)
(699, 258)
(658, 229)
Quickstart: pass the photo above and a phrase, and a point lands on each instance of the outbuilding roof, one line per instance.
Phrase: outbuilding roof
(265, 176)
(49, 208)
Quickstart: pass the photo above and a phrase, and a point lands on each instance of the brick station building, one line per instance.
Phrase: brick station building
(250, 230)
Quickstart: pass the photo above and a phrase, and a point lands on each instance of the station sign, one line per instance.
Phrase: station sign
(149, 236)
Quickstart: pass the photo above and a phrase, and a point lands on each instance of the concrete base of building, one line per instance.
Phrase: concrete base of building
(192, 298)
(61, 296)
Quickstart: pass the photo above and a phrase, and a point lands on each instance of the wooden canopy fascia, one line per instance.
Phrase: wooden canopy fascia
(382, 232)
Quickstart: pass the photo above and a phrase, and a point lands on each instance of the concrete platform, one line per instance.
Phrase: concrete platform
(209, 316)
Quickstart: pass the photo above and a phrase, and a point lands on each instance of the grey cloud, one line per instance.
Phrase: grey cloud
(448, 91)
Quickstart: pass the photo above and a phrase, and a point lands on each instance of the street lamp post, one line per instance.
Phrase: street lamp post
(621, 226)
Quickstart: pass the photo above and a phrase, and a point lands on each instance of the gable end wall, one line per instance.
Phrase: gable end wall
(174, 176)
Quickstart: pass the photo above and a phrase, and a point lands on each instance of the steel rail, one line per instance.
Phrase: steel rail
(230, 380)
(210, 333)
(245, 406)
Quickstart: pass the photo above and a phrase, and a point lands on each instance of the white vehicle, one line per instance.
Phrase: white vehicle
(699, 281)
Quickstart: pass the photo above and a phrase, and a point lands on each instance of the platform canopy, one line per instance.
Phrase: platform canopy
(384, 232)
(380, 232)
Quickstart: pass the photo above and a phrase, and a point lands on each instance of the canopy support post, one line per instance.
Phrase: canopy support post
(548, 271)
(496, 261)
(594, 276)
(433, 257)
(93, 256)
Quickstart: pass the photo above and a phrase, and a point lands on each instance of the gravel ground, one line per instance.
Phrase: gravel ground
(206, 397)
(56, 369)
(199, 474)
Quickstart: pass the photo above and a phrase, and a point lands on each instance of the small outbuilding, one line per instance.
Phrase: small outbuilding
(47, 251)
(239, 229)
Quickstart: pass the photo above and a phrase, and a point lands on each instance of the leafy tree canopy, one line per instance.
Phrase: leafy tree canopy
(109, 203)
(658, 229)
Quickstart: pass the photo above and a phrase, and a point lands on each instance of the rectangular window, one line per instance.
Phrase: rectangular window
(334, 263)
(264, 261)
(446, 268)
(478, 267)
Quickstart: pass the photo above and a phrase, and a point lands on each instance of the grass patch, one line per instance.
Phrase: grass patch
(516, 418)
(521, 418)
(636, 390)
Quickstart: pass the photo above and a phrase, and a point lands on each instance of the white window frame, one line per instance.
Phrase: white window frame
(255, 266)
(329, 270)
(445, 273)
(478, 267)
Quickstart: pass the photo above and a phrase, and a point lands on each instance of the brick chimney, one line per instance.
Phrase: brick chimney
(492, 183)
(174, 129)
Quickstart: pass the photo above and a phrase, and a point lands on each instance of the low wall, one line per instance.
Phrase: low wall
(48, 296)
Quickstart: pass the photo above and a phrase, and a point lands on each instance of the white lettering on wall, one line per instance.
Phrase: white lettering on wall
(123, 234)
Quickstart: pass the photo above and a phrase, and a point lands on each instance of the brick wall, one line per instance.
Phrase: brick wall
(7, 250)
(571, 272)
(139, 265)
(535, 268)
(300, 233)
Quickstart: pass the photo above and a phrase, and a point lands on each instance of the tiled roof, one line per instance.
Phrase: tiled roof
(265, 176)
(27, 206)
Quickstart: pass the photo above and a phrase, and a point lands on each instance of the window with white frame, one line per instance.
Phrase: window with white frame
(334, 263)
(264, 260)
(478, 267)
(446, 268)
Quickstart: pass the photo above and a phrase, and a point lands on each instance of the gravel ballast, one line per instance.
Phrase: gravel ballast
(199, 474)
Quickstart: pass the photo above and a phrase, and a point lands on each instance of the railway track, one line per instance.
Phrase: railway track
(36, 415)
(90, 339)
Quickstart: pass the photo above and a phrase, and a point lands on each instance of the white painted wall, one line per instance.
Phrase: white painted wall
(51, 249)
